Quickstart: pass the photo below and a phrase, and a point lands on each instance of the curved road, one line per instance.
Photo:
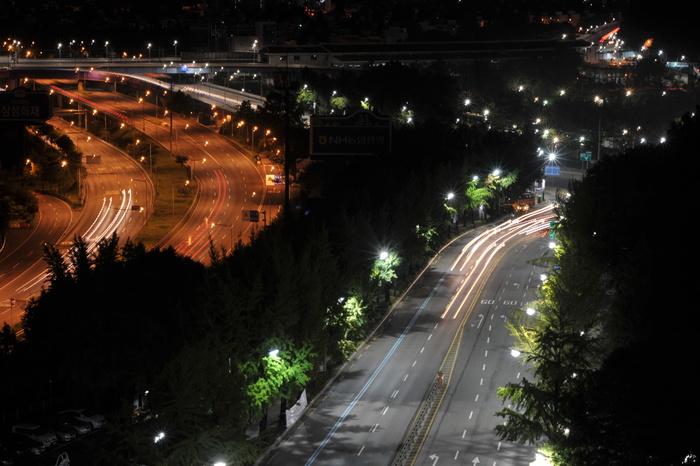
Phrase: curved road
(229, 184)
(110, 189)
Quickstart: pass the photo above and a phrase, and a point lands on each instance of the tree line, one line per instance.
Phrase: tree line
(610, 346)
(161, 343)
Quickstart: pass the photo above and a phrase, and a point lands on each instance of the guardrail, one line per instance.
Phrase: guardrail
(413, 441)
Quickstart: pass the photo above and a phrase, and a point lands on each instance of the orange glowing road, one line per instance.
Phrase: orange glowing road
(199, 240)
(228, 182)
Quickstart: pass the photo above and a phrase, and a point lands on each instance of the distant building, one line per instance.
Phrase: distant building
(350, 55)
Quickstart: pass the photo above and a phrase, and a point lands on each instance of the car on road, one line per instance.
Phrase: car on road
(85, 415)
(35, 432)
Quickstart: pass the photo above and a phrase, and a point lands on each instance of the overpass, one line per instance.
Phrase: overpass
(147, 74)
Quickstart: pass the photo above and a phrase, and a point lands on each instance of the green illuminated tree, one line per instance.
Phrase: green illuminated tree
(384, 271)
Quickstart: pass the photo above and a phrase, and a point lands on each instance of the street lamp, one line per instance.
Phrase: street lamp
(149, 51)
(59, 50)
(143, 112)
(252, 140)
(230, 227)
(599, 101)
(451, 211)
(175, 45)
(194, 159)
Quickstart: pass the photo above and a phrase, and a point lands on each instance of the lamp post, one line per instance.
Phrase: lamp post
(194, 159)
(149, 51)
(142, 101)
(64, 164)
(599, 101)
(230, 227)
(252, 140)
(175, 45)
(453, 216)
(12, 305)
(148, 205)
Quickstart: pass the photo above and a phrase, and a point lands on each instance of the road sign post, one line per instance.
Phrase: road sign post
(361, 133)
(23, 105)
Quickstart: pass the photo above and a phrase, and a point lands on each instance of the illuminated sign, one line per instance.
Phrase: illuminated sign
(361, 133)
(23, 105)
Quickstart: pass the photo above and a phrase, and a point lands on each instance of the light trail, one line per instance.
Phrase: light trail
(95, 232)
(486, 245)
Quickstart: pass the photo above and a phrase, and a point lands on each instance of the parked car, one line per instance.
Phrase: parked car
(64, 432)
(35, 432)
(67, 420)
(7, 457)
(55, 458)
(85, 415)
(21, 446)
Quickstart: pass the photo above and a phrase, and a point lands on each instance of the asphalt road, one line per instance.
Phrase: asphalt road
(229, 183)
(459, 303)
(462, 432)
(110, 188)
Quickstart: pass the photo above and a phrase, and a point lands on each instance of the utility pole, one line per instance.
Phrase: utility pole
(286, 139)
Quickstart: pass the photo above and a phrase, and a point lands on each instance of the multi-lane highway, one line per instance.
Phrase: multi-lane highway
(229, 183)
(229, 186)
(112, 184)
(451, 321)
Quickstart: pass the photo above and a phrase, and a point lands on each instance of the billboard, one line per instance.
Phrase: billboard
(361, 133)
(22, 105)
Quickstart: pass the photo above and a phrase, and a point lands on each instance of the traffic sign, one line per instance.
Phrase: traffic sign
(585, 156)
(362, 133)
(552, 170)
(24, 105)
(250, 215)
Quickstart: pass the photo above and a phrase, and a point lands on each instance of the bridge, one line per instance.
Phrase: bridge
(192, 79)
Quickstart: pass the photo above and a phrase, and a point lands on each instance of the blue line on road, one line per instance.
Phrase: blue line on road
(374, 375)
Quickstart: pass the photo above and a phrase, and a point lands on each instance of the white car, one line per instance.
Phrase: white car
(36, 432)
(85, 415)
(56, 458)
